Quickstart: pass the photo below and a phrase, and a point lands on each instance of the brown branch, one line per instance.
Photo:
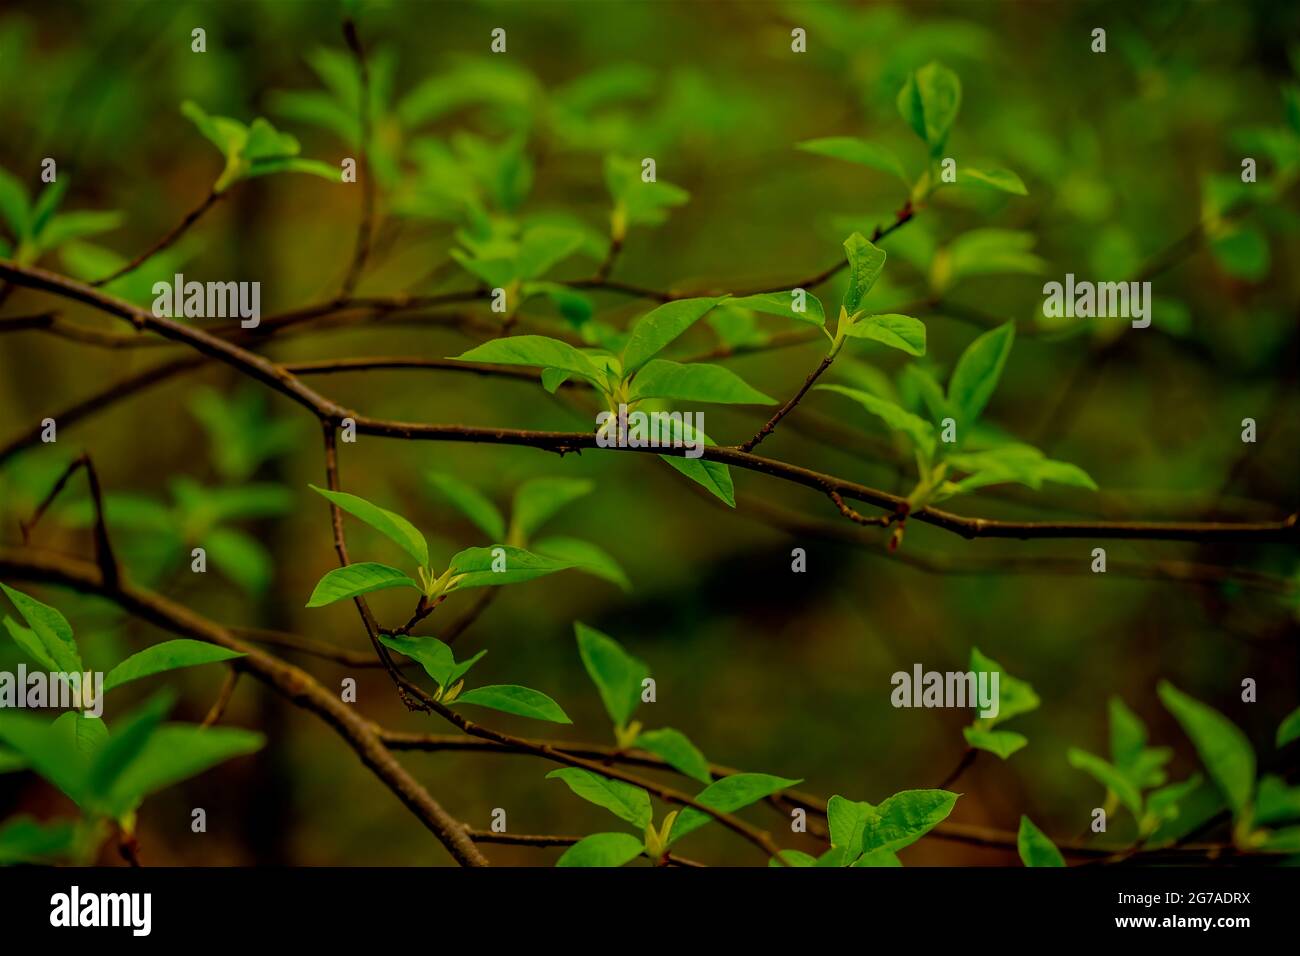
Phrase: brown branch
(968, 758)
(223, 697)
(104, 556)
(176, 232)
(295, 684)
(277, 378)
(770, 425)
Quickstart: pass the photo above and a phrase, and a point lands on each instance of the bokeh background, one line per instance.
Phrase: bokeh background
(1131, 159)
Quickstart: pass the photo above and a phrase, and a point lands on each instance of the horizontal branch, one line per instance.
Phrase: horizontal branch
(278, 378)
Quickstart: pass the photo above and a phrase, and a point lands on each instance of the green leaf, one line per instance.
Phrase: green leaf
(697, 382)
(896, 417)
(124, 745)
(621, 799)
(616, 673)
(473, 567)
(167, 656)
(584, 556)
(848, 821)
(1015, 696)
(637, 202)
(1036, 849)
(543, 247)
(658, 327)
(77, 225)
(793, 858)
(51, 635)
(1018, 463)
(1003, 743)
(472, 504)
(14, 206)
(241, 558)
(50, 749)
(387, 523)
(1242, 252)
(866, 262)
(783, 304)
(434, 656)
(602, 849)
(1276, 802)
(929, 102)
(677, 750)
(538, 499)
(976, 376)
(1109, 777)
(513, 699)
(24, 840)
(727, 795)
(176, 752)
(859, 151)
(535, 350)
(1289, 729)
(1162, 804)
(1001, 179)
(897, 331)
(357, 579)
(1222, 747)
(904, 818)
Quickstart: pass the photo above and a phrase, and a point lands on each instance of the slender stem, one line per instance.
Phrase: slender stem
(365, 227)
(175, 233)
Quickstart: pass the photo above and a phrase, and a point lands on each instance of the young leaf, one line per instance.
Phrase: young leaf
(677, 750)
(713, 476)
(387, 523)
(658, 327)
(1036, 849)
(513, 699)
(51, 635)
(1015, 696)
(1222, 747)
(50, 749)
(474, 567)
(866, 262)
(727, 795)
(1109, 777)
(535, 350)
(24, 840)
(602, 849)
(796, 858)
(621, 799)
(472, 504)
(847, 820)
(929, 102)
(853, 150)
(782, 303)
(434, 656)
(697, 382)
(616, 673)
(1003, 743)
(355, 580)
(584, 556)
(978, 370)
(904, 818)
(897, 418)
(897, 331)
(241, 558)
(1001, 179)
(167, 656)
(176, 752)
(538, 499)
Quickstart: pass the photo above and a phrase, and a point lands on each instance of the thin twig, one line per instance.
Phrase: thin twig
(176, 232)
